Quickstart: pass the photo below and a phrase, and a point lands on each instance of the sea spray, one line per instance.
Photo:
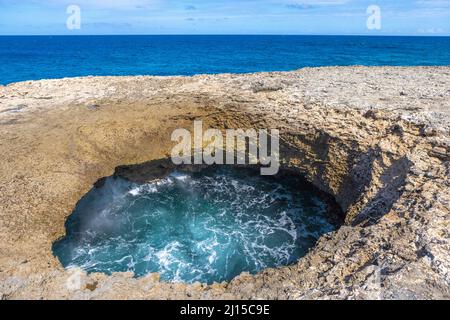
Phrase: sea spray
(207, 226)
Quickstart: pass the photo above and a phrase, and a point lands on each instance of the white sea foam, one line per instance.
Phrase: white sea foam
(193, 228)
(180, 176)
(135, 192)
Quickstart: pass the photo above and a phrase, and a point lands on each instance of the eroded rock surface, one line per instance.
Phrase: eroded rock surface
(377, 139)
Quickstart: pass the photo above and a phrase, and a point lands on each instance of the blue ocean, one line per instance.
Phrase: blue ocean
(46, 57)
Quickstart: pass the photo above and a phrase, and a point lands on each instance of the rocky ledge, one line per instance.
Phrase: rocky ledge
(377, 139)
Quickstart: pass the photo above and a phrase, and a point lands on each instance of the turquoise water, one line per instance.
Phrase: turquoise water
(207, 227)
(45, 57)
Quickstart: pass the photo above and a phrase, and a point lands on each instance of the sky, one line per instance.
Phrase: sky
(334, 17)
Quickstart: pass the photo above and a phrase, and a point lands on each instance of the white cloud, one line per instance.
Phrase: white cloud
(93, 4)
(316, 2)
(433, 3)
(431, 31)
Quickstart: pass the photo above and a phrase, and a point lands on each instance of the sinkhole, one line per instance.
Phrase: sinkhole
(206, 226)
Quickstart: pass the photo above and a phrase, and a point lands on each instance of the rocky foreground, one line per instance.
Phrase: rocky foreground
(377, 139)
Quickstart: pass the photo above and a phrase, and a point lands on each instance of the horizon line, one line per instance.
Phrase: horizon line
(230, 34)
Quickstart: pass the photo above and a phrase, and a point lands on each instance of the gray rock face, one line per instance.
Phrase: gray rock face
(377, 139)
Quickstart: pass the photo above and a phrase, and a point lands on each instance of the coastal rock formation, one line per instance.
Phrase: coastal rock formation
(377, 139)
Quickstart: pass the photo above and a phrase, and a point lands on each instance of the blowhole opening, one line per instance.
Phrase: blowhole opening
(195, 223)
